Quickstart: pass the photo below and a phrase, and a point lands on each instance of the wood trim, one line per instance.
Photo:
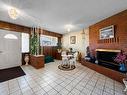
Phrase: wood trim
(108, 50)
(14, 27)
(50, 33)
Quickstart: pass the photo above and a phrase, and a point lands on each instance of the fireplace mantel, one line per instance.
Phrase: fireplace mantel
(108, 50)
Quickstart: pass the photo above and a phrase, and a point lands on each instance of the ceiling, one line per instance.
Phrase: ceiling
(53, 15)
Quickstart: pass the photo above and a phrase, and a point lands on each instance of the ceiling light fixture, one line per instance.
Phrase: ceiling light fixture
(13, 13)
(68, 27)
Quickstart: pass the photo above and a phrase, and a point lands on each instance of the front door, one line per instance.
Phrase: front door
(10, 49)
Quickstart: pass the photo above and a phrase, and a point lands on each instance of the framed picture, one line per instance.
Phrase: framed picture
(72, 39)
(107, 32)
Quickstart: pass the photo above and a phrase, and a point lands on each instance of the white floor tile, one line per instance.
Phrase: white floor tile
(52, 81)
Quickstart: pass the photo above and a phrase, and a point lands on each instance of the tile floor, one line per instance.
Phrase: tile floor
(52, 81)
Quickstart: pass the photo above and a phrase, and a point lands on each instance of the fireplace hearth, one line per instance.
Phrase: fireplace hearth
(106, 57)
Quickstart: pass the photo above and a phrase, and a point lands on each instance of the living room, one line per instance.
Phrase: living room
(49, 49)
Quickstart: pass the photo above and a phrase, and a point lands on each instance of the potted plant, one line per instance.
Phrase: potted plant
(59, 48)
(36, 59)
(34, 43)
(121, 59)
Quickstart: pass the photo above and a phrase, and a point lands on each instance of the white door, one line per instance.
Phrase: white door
(10, 49)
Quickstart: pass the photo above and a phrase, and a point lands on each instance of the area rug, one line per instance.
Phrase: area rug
(11, 73)
(66, 67)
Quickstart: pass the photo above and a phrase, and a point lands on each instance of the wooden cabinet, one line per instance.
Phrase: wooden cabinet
(37, 61)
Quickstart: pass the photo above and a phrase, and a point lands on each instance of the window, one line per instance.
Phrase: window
(25, 42)
(48, 40)
(10, 36)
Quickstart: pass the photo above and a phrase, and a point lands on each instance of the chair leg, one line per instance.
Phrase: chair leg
(69, 63)
(74, 63)
(63, 62)
(125, 89)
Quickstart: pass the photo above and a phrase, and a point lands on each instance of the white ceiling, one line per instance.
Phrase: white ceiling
(55, 14)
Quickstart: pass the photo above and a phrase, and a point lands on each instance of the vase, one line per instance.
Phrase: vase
(59, 50)
(96, 61)
(122, 67)
(26, 59)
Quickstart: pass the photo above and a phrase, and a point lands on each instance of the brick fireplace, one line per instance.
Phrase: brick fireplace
(106, 57)
(120, 33)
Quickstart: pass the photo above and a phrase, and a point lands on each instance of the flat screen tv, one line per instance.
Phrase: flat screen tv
(107, 32)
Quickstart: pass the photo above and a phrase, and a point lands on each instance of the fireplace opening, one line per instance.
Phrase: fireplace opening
(105, 57)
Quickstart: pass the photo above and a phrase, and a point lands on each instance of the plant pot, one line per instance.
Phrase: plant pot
(37, 61)
(122, 67)
(59, 50)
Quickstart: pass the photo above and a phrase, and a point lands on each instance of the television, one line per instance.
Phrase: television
(107, 32)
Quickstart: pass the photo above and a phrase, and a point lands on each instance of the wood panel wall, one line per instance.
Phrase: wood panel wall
(50, 50)
(50, 33)
(119, 42)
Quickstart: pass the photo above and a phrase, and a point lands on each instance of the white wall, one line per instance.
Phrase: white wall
(80, 45)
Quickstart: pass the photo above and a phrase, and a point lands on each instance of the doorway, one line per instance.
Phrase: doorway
(10, 49)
